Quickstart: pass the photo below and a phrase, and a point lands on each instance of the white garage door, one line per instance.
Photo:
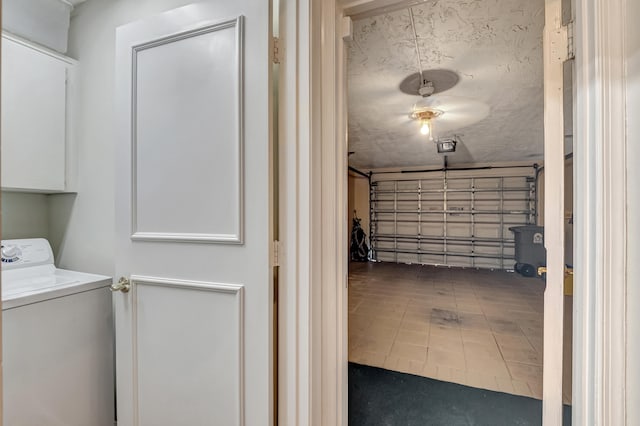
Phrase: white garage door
(454, 218)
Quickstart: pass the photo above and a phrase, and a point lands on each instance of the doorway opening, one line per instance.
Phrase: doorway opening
(451, 289)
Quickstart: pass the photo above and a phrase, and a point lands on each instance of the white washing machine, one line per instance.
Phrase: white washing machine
(57, 341)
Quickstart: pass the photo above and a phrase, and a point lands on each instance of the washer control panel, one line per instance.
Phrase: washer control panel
(11, 254)
(25, 252)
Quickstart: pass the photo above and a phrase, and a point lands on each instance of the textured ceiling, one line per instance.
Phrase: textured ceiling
(495, 47)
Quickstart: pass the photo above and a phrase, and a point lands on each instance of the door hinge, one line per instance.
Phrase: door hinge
(347, 29)
(571, 48)
(276, 253)
(276, 50)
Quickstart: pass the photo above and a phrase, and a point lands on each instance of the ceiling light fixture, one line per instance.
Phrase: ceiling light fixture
(426, 116)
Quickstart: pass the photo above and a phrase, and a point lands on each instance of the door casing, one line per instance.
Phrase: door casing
(313, 386)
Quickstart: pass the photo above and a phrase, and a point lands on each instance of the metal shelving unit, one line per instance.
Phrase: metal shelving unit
(456, 221)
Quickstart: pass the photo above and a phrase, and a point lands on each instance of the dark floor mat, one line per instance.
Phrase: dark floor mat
(379, 397)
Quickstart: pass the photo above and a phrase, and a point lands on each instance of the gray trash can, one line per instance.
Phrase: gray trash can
(529, 249)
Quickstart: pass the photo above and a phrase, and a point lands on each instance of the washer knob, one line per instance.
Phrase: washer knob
(10, 253)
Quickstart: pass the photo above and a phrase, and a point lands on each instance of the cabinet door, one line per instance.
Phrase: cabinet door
(33, 118)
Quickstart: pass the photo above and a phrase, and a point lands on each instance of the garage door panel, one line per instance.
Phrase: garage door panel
(462, 229)
(432, 229)
(407, 228)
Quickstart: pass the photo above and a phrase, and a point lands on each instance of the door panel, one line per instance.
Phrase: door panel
(168, 392)
(198, 262)
(188, 138)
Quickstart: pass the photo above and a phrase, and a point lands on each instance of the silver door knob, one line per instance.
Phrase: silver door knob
(123, 285)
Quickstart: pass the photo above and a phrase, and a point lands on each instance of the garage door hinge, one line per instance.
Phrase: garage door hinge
(276, 50)
(276, 253)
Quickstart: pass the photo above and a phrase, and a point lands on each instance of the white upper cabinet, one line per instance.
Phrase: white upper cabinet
(34, 117)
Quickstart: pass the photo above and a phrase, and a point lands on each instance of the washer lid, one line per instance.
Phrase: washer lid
(24, 286)
(24, 281)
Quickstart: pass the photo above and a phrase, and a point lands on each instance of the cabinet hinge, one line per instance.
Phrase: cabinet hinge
(571, 51)
(276, 253)
(276, 50)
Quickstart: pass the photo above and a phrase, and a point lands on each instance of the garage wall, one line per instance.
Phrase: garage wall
(454, 218)
(359, 201)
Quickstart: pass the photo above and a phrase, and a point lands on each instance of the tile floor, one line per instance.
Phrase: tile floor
(474, 327)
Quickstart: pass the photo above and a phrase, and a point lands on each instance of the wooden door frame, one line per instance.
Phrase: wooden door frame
(555, 53)
(313, 357)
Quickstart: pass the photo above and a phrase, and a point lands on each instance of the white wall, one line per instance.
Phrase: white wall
(633, 212)
(24, 215)
(27, 215)
(87, 243)
(45, 22)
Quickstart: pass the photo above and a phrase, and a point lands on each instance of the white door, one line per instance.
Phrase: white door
(193, 200)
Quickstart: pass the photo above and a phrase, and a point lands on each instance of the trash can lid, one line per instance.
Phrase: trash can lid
(524, 228)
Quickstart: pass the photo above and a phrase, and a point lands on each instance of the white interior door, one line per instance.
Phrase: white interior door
(194, 331)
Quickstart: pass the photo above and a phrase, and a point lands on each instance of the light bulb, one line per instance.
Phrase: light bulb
(425, 127)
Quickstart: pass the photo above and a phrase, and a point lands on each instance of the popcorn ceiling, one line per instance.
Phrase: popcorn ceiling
(495, 46)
